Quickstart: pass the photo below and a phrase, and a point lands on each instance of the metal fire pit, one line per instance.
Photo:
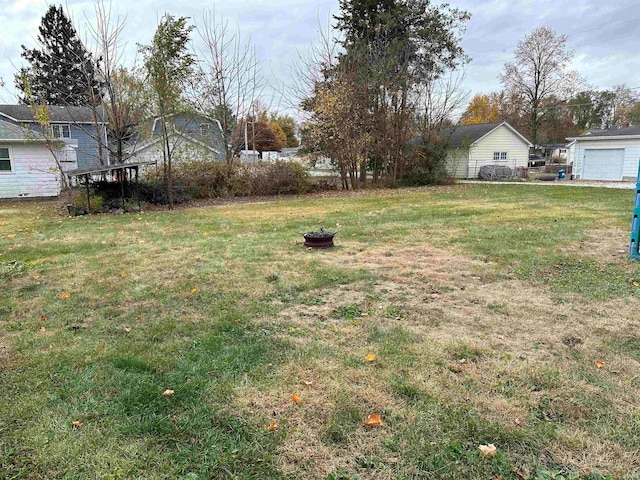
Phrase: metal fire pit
(319, 239)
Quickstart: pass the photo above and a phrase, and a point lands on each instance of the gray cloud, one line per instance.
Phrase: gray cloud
(604, 36)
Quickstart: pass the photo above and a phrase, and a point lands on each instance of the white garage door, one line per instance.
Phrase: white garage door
(603, 164)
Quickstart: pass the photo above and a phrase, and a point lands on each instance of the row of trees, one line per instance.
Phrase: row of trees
(378, 86)
(220, 80)
(546, 100)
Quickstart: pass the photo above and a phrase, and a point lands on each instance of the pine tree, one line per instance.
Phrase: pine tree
(61, 71)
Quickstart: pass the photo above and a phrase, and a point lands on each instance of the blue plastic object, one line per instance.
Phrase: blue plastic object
(634, 249)
(561, 174)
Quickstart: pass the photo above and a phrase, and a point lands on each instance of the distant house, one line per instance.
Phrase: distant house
(249, 156)
(191, 137)
(28, 167)
(611, 154)
(80, 129)
(470, 147)
(556, 152)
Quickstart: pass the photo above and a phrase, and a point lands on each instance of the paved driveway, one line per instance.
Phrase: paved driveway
(563, 183)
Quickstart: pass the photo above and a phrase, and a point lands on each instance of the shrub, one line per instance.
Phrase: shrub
(426, 165)
(199, 180)
(279, 178)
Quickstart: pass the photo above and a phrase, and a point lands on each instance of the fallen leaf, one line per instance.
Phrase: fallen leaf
(43, 317)
(373, 420)
(77, 424)
(272, 426)
(370, 357)
(488, 451)
(36, 277)
(122, 275)
(307, 383)
(64, 294)
(194, 290)
(11, 236)
(127, 329)
(296, 398)
(43, 328)
(101, 347)
(599, 363)
(168, 393)
(636, 284)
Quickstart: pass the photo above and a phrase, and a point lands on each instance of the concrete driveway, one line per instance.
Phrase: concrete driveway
(563, 183)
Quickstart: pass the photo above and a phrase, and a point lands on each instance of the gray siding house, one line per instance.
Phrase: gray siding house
(77, 127)
(191, 137)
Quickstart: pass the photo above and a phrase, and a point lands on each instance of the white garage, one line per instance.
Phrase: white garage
(612, 154)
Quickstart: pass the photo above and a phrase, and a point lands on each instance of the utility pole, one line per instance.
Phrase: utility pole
(253, 128)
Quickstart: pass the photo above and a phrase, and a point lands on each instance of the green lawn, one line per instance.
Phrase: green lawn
(500, 315)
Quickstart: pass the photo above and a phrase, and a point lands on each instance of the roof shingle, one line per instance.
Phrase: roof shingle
(59, 114)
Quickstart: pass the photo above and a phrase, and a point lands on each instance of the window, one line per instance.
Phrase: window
(563, 151)
(204, 129)
(499, 156)
(5, 159)
(61, 131)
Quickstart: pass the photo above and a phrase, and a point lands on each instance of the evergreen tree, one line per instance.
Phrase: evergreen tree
(61, 71)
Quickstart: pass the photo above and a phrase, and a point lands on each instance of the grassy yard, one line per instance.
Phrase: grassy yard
(463, 316)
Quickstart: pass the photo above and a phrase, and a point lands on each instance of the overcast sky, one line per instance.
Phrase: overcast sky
(605, 37)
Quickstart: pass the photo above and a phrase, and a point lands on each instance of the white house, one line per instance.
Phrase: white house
(249, 156)
(612, 154)
(473, 146)
(28, 168)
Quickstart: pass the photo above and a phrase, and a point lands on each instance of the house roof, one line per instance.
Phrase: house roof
(610, 132)
(14, 133)
(59, 114)
(471, 133)
(475, 133)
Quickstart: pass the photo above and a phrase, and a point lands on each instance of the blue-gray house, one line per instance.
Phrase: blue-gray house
(191, 137)
(79, 128)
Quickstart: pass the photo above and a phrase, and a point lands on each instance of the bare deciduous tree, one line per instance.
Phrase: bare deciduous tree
(539, 71)
(229, 79)
(124, 97)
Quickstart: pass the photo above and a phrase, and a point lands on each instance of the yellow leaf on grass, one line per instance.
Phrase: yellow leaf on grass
(168, 393)
(488, 451)
(636, 284)
(296, 398)
(127, 329)
(370, 357)
(373, 420)
(64, 294)
(11, 236)
(43, 328)
(194, 290)
(77, 424)
(272, 426)
(122, 275)
(599, 363)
